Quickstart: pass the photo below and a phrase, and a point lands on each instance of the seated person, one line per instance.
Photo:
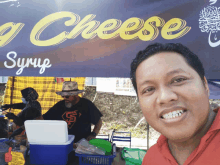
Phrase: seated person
(173, 94)
(31, 109)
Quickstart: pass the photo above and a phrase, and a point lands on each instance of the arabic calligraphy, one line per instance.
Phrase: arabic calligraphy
(8, 1)
(209, 22)
(212, 2)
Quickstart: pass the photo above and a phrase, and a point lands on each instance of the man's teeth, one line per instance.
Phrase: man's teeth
(173, 114)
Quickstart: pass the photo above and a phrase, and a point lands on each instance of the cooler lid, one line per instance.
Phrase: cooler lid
(46, 131)
(70, 140)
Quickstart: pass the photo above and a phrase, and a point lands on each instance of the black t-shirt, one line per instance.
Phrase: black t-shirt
(79, 117)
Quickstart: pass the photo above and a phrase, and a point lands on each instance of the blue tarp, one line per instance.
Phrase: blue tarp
(214, 87)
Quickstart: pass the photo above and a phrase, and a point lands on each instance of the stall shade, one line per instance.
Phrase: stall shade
(45, 86)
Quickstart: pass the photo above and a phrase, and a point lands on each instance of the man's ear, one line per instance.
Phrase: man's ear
(206, 85)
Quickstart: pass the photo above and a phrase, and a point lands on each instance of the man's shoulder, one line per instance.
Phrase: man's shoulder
(84, 99)
(35, 102)
(83, 103)
(60, 103)
(151, 156)
(153, 150)
(55, 110)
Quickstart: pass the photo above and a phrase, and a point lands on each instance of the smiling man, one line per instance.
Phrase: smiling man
(174, 98)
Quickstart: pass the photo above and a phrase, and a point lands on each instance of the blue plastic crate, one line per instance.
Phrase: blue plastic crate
(51, 154)
(97, 159)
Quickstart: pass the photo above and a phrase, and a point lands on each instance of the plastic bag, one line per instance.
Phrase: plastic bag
(85, 148)
(133, 156)
(104, 145)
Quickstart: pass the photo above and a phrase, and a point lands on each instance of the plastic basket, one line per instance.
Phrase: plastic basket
(97, 159)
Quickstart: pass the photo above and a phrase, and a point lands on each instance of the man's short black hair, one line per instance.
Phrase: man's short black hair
(191, 58)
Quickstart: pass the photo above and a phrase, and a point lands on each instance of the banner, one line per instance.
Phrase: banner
(99, 38)
(117, 86)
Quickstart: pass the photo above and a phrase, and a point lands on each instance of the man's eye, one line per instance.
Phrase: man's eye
(178, 80)
(147, 90)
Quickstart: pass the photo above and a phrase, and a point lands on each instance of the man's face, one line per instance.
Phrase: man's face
(70, 99)
(172, 96)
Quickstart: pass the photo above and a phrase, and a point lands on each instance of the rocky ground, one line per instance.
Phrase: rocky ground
(121, 113)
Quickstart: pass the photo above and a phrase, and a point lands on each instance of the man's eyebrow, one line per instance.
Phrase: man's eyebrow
(145, 82)
(168, 74)
(175, 71)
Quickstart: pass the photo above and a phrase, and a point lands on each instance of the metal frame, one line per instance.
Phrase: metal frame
(104, 137)
(120, 138)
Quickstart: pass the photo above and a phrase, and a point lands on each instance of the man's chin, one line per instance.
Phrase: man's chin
(68, 104)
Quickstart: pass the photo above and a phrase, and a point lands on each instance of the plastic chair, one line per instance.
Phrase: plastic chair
(121, 138)
(104, 137)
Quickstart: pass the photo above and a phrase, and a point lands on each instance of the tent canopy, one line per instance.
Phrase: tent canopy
(46, 88)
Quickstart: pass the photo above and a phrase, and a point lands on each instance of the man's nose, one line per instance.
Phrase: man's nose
(166, 95)
(64, 98)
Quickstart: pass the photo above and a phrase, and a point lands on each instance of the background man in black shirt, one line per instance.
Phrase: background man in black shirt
(79, 113)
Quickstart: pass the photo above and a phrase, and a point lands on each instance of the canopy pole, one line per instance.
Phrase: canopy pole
(12, 89)
(148, 131)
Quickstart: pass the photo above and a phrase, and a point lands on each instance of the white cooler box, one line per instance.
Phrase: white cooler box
(49, 142)
(46, 131)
